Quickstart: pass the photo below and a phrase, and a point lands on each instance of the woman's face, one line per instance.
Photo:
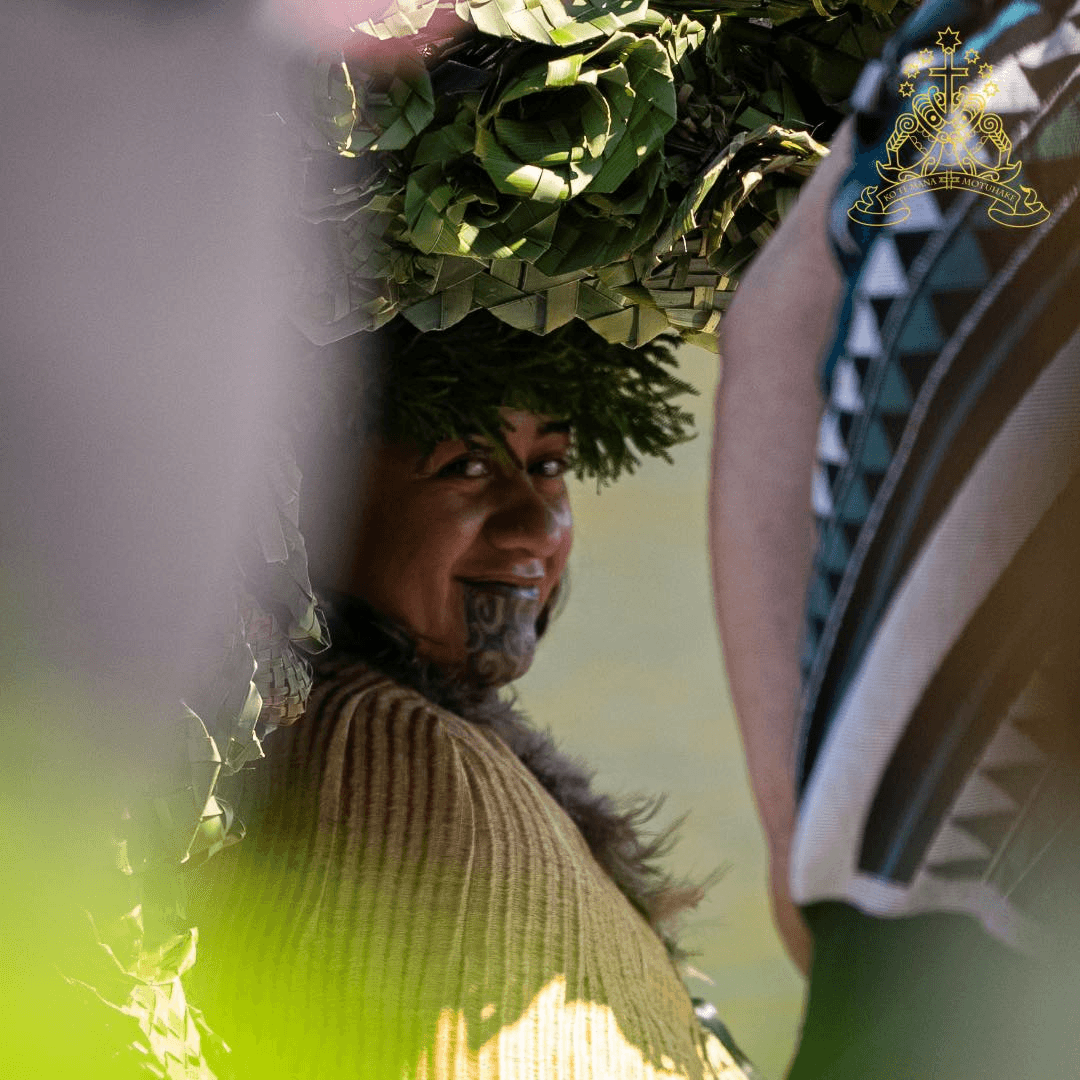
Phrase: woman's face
(463, 550)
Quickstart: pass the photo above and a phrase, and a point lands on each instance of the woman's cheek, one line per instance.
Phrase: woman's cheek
(561, 520)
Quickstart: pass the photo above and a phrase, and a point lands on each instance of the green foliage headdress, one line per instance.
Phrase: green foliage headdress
(598, 168)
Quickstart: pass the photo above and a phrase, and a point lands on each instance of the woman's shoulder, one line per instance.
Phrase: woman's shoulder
(345, 678)
(364, 730)
(371, 759)
(350, 691)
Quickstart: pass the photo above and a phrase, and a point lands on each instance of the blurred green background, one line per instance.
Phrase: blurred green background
(631, 680)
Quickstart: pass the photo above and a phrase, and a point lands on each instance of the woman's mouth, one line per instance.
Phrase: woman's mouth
(505, 586)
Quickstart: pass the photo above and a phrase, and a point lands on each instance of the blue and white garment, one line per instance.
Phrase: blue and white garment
(939, 766)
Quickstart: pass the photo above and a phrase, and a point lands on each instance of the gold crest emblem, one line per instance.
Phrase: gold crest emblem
(947, 139)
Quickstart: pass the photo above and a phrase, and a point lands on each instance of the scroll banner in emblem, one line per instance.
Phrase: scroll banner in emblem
(948, 140)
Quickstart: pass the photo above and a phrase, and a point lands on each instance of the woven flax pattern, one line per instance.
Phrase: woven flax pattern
(436, 914)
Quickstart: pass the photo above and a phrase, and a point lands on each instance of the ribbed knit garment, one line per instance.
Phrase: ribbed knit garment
(410, 902)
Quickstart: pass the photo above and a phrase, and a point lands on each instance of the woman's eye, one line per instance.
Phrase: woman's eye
(470, 466)
(550, 468)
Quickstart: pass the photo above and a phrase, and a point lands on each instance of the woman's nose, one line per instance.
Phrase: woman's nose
(525, 520)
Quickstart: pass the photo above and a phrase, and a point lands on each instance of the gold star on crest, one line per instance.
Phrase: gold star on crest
(911, 68)
(926, 57)
(907, 88)
(986, 70)
(990, 89)
(971, 56)
(949, 40)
